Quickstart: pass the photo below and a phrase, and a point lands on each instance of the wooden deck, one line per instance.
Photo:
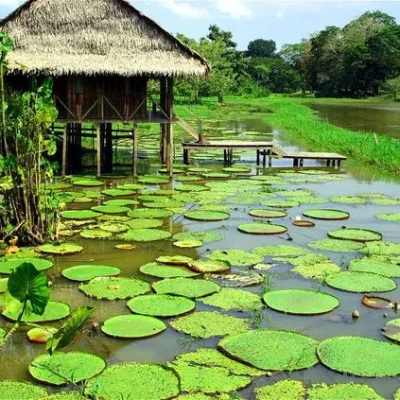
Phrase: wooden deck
(298, 158)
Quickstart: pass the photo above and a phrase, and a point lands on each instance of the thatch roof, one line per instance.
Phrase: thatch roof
(95, 37)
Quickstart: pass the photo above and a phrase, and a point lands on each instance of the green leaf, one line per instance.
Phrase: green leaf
(67, 333)
(26, 283)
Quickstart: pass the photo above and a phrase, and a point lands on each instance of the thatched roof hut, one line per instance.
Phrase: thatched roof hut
(95, 37)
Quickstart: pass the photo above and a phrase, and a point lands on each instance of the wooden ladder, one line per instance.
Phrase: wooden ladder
(188, 128)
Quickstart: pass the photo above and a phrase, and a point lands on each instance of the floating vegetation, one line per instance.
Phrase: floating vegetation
(235, 257)
(191, 288)
(268, 213)
(375, 267)
(65, 368)
(65, 396)
(282, 250)
(210, 267)
(110, 288)
(318, 271)
(16, 390)
(54, 311)
(272, 350)
(192, 188)
(113, 227)
(280, 203)
(343, 354)
(82, 273)
(312, 200)
(175, 260)
(356, 235)
(239, 279)
(3, 285)
(237, 170)
(119, 203)
(188, 244)
(10, 264)
(343, 246)
(391, 217)
(41, 335)
(392, 330)
(206, 215)
(282, 390)
(147, 213)
(144, 235)
(376, 302)
(144, 223)
(262, 229)
(234, 299)
(79, 214)
(303, 224)
(189, 178)
(60, 248)
(353, 391)
(216, 175)
(208, 324)
(111, 209)
(117, 192)
(300, 302)
(131, 186)
(327, 214)
(205, 237)
(127, 247)
(381, 248)
(349, 199)
(153, 179)
(88, 183)
(95, 234)
(133, 326)
(163, 271)
(360, 282)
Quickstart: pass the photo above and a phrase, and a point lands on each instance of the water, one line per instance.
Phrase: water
(18, 353)
(379, 118)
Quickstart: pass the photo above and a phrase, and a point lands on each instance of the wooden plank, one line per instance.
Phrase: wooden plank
(314, 156)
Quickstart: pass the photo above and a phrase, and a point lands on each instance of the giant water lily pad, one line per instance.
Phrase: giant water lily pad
(119, 203)
(206, 215)
(3, 285)
(283, 250)
(10, 264)
(161, 305)
(60, 248)
(131, 186)
(110, 288)
(164, 271)
(381, 248)
(175, 260)
(387, 269)
(391, 217)
(113, 227)
(62, 368)
(134, 381)
(392, 330)
(344, 246)
(144, 223)
(280, 203)
(208, 324)
(54, 312)
(117, 192)
(147, 213)
(192, 288)
(239, 279)
(272, 350)
(356, 235)
(210, 267)
(87, 182)
(82, 273)
(65, 396)
(133, 326)
(360, 282)
(144, 235)
(16, 390)
(262, 229)
(234, 299)
(282, 390)
(192, 188)
(79, 215)
(95, 234)
(327, 214)
(110, 209)
(349, 199)
(153, 179)
(318, 271)
(360, 356)
(268, 213)
(353, 391)
(205, 237)
(236, 257)
(301, 302)
(188, 244)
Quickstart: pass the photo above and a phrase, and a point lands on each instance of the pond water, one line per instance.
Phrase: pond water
(242, 194)
(379, 118)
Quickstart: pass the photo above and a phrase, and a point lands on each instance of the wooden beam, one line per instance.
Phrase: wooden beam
(64, 152)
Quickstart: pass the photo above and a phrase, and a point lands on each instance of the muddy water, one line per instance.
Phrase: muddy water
(163, 348)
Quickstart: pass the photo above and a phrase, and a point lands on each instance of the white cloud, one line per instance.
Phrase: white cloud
(185, 8)
(234, 8)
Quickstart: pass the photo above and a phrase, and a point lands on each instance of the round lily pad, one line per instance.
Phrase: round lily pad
(237, 170)
(206, 215)
(131, 186)
(327, 214)
(238, 279)
(208, 324)
(113, 227)
(234, 299)
(262, 229)
(175, 260)
(82, 273)
(381, 248)
(287, 389)
(134, 381)
(272, 350)
(209, 267)
(10, 264)
(164, 271)
(161, 305)
(268, 213)
(281, 203)
(133, 326)
(144, 223)
(60, 248)
(360, 282)
(188, 244)
(387, 269)
(144, 235)
(392, 330)
(301, 302)
(149, 213)
(356, 235)
(192, 288)
(205, 237)
(283, 250)
(318, 271)
(353, 391)
(236, 257)
(343, 246)
(360, 356)
(95, 234)
(192, 188)
(174, 170)
(391, 217)
(193, 178)
(153, 179)
(79, 214)
(110, 209)
(119, 203)
(65, 396)
(110, 288)
(41, 335)
(126, 247)
(117, 192)
(87, 182)
(54, 312)
(62, 368)
(15, 390)
(216, 175)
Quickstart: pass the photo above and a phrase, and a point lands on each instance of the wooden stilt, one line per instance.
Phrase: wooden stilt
(186, 156)
(264, 154)
(338, 163)
(169, 149)
(108, 150)
(328, 163)
(135, 158)
(295, 162)
(64, 152)
(301, 162)
(225, 157)
(258, 157)
(230, 157)
(270, 158)
(99, 152)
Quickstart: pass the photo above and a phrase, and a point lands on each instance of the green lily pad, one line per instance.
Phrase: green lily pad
(301, 302)
(353, 391)
(343, 246)
(191, 288)
(356, 235)
(268, 213)
(283, 390)
(144, 235)
(360, 282)
(111, 209)
(174, 170)
(391, 217)
(272, 350)
(327, 214)
(306, 259)
(117, 192)
(16, 390)
(79, 214)
(262, 229)
(175, 260)
(188, 244)
(153, 179)
(237, 170)
(161, 305)
(238, 279)
(95, 234)
(82, 273)
(392, 330)
(280, 203)
(113, 227)
(192, 188)
(131, 186)
(207, 216)
(375, 267)
(210, 267)
(199, 170)
(61, 248)
(134, 381)
(144, 223)
(381, 248)
(41, 335)
(151, 214)
(119, 203)
(360, 356)
(83, 200)
(4, 284)
(110, 288)
(10, 264)
(62, 368)
(349, 199)
(133, 326)
(191, 178)
(235, 257)
(54, 312)
(234, 299)
(283, 250)
(87, 182)
(208, 324)
(216, 175)
(205, 237)
(65, 396)
(164, 271)
(318, 271)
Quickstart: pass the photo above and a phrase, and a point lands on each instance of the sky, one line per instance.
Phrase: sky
(285, 21)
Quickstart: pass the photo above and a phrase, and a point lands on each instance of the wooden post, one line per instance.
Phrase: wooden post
(301, 162)
(295, 162)
(169, 127)
(99, 143)
(258, 157)
(264, 153)
(328, 163)
(135, 151)
(225, 157)
(270, 158)
(108, 149)
(64, 152)
(338, 163)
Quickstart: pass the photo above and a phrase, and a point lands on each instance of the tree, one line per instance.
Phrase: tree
(261, 48)
(392, 87)
(216, 34)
